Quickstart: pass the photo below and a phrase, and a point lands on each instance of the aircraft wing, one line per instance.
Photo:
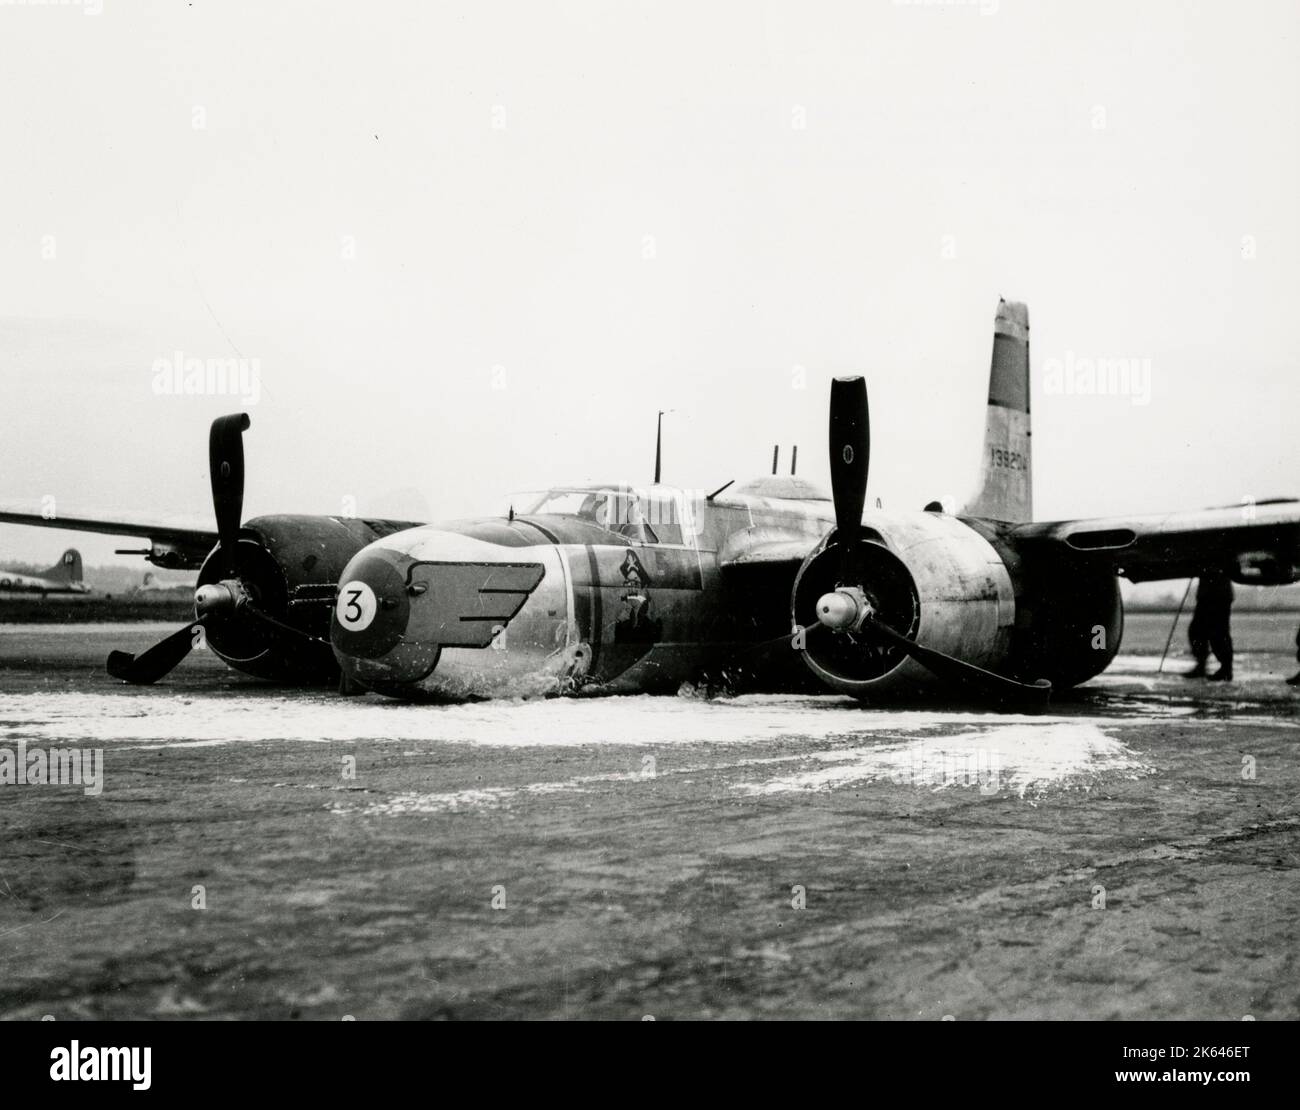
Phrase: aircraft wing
(767, 551)
(179, 548)
(1260, 540)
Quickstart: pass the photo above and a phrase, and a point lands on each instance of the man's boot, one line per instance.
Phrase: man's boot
(1294, 680)
(1197, 671)
(1223, 674)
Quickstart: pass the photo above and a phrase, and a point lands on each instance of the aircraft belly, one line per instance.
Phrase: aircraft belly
(661, 669)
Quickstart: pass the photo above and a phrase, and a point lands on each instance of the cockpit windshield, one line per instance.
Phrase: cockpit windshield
(643, 516)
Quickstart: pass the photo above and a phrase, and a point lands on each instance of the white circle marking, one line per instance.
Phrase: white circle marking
(356, 606)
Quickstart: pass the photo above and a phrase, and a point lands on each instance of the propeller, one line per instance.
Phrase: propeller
(850, 440)
(846, 609)
(228, 599)
(158, 660)
(226, 472)
(1033, 694)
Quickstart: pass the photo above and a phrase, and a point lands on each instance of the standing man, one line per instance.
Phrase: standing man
(1211, 629)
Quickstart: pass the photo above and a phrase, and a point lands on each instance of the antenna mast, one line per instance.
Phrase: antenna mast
(659, 445)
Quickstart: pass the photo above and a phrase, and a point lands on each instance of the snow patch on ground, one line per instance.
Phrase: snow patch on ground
(154, 719)
(1018, 757)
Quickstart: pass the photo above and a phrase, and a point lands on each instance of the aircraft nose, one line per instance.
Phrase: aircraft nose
(370, 621)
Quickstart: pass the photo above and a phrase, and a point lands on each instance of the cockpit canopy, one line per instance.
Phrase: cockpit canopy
(653, 514)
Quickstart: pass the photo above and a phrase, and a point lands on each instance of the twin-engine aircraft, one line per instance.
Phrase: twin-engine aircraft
(62, 578)
(770, 585)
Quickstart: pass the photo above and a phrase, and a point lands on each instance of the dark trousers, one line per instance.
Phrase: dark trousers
(1211, 632)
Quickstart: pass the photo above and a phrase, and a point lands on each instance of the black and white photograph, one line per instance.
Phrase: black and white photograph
(625, 511)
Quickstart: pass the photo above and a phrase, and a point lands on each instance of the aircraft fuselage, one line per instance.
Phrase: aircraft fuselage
(13, 583)
(548, 603)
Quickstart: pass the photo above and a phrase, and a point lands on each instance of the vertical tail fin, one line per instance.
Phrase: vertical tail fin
(1006, 474)
(67, 569)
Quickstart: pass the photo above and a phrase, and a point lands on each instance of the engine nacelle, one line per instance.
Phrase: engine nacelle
(289, 566)
(1070, 619)
(926, 575)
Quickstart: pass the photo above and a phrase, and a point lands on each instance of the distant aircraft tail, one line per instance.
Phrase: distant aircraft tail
(67, 569)
(1006, 474)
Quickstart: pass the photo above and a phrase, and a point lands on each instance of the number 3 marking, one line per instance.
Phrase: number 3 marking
(356, 606)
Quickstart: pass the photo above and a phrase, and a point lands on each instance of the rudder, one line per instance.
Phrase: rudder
(1006, 475)
(67, 569)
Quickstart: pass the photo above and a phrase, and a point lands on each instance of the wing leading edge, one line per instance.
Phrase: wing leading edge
(178, 548)
(1260, 541)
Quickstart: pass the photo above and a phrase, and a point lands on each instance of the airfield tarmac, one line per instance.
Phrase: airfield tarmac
(666, 857)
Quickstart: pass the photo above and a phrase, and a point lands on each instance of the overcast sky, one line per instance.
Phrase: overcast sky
(475, 247)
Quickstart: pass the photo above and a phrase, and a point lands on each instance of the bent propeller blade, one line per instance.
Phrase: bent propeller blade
(947, 667)
(226, 472)
(150, 665)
